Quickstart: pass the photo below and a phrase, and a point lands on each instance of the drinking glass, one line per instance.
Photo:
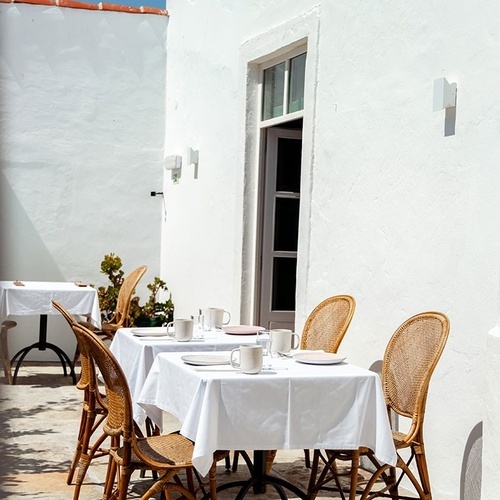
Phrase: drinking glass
(263, 339)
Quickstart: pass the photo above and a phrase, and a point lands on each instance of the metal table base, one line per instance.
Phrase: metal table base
(43, 345)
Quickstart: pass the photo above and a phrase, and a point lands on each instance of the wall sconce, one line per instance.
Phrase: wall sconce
(445, 95)
(192, 158)
(174, 164)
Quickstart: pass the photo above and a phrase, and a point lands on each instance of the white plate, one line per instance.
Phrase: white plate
(205, 359)
(319, 358)
(242, 329)
(155, 331)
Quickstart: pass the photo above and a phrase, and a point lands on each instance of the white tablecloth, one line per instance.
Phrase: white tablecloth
(296, 407)
(136, 355)
(34, 298)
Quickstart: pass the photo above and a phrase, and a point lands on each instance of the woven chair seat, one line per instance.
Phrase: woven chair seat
(400, 440)
(171, 450)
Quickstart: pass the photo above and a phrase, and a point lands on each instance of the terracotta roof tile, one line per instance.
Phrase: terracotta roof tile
(73, 4)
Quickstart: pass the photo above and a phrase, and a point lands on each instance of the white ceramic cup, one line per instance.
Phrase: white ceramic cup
(183, 329)
(250, 358)
(282, 340)
(214, 317)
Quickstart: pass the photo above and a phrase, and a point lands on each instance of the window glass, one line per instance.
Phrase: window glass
(296, 83)
(286, 224)
(284, 281)
(288, 166)
(274, 87)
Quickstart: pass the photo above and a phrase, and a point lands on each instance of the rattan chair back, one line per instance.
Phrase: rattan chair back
(121, 316)
(409, 361)
(327, 324)
(119, 421)
(86, 378)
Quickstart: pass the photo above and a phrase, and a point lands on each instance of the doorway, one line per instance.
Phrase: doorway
(280, 208)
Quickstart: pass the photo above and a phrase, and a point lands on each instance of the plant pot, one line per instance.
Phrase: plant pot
(144, 321)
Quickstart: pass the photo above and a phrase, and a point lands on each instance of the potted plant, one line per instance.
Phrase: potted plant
(154, 312)
(111, 266)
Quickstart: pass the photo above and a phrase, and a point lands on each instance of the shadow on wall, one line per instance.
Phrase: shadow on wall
(470, 480)
(23, 254)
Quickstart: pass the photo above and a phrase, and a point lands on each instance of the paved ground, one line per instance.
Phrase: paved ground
(39, 420)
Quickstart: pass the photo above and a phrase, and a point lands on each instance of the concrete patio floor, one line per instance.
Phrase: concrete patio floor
(40, 416)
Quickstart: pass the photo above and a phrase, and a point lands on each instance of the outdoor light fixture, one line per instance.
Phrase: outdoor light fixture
(445, 95)
(192, 158)
(174, 164)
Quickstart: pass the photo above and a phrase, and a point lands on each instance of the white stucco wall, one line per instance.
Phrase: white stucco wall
(82, 129)
(396, 213)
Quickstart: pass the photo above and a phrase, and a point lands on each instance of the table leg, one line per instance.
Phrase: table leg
(43, 345)
(259, 479)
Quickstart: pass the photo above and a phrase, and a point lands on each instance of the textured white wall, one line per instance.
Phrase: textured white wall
(400, 216)
(82, 130)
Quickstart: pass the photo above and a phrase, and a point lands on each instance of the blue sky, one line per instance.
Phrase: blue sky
(159, 4)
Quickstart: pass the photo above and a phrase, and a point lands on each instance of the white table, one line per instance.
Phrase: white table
(136, 355)
(34, 298)
(298, 406)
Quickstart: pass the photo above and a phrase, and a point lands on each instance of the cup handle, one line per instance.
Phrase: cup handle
(234, 364)
(295, 345)
(228, 318)
(170, 325)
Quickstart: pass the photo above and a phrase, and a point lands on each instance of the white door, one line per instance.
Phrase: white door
(280, 225)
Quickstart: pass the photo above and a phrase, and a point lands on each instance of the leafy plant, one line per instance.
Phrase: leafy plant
(163, 311)
(108, 295)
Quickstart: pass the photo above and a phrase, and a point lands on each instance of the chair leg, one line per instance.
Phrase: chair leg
(4, 345)
(354, 475)
(311, 490)
(307, 457)
(423, 472)
(78, 449)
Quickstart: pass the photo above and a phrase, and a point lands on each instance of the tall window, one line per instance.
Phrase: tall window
(283, 88)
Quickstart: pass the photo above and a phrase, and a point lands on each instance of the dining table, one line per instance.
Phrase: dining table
(136, 349)
(289, 405)
(34, 298)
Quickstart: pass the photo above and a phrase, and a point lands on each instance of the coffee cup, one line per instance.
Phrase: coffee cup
(183, 329)
(283, 341)
(214, 317)
(250, 358)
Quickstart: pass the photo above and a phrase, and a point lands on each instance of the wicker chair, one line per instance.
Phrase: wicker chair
(94, 411)
(4, 344)
(327, 324)
(167, 454)
(409, 361)
(120, 318)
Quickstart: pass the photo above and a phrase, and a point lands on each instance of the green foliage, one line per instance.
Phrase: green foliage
(108, 295)
(153, 308)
